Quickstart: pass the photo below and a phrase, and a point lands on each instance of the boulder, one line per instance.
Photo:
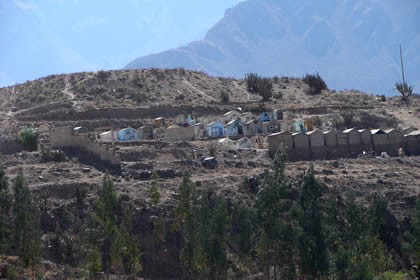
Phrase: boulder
(210, 163)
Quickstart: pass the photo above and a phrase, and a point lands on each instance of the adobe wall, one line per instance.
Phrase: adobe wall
(281, 138)
(307, 147)
(395, 141)
(342, 138)
(63, 137)
(330, 139)
(412, 144)
(366, 140)
(180, 134)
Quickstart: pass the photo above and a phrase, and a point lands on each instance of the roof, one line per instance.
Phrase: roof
(414, 133)
(349, 130)
(127, 128)
(104, 133)
(246, 113)
(78, 128)
(277, 133)
(212, 123)
(362, 130)
(225, 140)
(313, 132)
(297, 133)
(233, 121)
(329, 131)
(230, 112)
(160, 118)
(377, 131)
(391, 130)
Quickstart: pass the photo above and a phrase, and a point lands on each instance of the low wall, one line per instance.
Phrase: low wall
(63, 137)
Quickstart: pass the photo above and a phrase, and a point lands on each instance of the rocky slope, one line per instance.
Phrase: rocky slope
(352, 44)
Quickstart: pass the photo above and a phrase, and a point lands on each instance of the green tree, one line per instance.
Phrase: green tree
(105, 223)
(275, 217)
(411, 244)
(315, 82)
(4, 210)
(242, 224)
(312, 242)
(28, 138)
(186, 197)
(219, 225)
(131, 252)
(154, 193)
(94, 262)
(25, 228)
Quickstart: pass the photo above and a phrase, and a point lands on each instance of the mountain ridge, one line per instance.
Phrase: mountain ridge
(352, 45)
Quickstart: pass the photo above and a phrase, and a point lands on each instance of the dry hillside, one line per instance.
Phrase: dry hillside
(148, 93)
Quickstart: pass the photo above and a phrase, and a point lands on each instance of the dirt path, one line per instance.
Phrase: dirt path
(67, 91)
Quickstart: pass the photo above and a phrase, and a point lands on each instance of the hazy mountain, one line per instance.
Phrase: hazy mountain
(352, 44)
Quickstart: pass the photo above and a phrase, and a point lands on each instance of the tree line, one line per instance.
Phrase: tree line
(294, 230)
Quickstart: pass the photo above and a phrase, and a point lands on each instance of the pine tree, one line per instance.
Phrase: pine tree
(242, 224)
(274, 212)
(186, 196)
(105, 222)
(130, 245)
(312, 243)
(154, 191)
(4, 210)
(26, 233)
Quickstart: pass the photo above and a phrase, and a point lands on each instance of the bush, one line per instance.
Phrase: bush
(317, 121)
(103, 75)
(262, 86)
(28, 138)
(56, 156)
(404, 89)
(212, 149)
(347, 118)
(382, 98)
(224, 96)
(315, 83)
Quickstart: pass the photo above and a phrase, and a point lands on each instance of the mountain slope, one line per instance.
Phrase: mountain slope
(353, 44)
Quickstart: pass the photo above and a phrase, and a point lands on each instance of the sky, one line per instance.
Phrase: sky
(43, 37)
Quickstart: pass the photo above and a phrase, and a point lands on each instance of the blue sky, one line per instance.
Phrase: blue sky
(43, 37)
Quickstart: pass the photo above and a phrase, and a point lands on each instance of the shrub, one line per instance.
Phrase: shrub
(278, 95)
(315, 83)
(224, 96)
(252, 82)
(382, 98)
(212, 149)
(103, 75)
(404, 89)
(260, 85)
(28, 139)
(55, 155)
(347, 118)
(317, 121)
(181, 71)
